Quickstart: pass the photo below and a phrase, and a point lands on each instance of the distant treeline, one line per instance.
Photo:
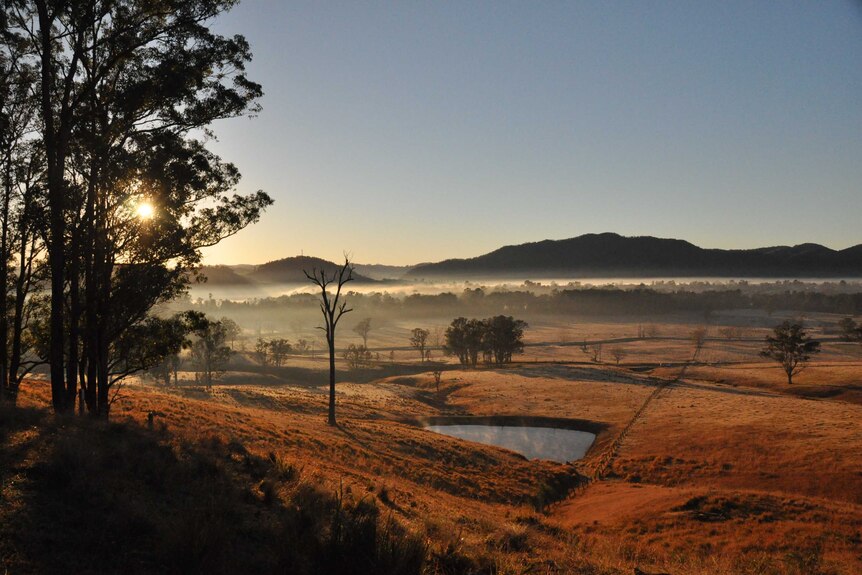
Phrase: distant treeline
(588, 301)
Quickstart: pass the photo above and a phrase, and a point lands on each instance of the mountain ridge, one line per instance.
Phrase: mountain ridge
(590, 255)
(615, 255)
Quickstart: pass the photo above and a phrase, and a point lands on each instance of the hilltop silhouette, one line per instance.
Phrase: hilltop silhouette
(615, 255)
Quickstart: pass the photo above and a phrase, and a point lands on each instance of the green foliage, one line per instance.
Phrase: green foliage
(128, 91)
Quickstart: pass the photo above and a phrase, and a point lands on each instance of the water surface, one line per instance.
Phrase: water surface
(555, 444)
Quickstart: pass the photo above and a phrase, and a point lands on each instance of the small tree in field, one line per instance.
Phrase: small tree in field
(790, 346)
(261, 350)
(697, 338)
(232, 330)
(302, 346)
(332, 308)
(419, 339)
(618, 354)
(438, 376)
(362, 329)
(278, 350)
(209, 350)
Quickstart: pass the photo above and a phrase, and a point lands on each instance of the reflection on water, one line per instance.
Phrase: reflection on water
(559, 445)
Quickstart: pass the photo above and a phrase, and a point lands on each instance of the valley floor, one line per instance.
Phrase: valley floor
(725, 471)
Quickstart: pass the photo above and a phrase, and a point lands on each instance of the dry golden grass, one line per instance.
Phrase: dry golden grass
(727, 471)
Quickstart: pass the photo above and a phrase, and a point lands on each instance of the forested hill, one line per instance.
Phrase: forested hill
(614, 255)
(224, 275)
(290, 270)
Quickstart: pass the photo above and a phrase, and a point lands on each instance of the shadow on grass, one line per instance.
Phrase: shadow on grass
(319, 376)
(95, 497)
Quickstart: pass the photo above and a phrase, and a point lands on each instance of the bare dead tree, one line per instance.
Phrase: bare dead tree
(332, 308)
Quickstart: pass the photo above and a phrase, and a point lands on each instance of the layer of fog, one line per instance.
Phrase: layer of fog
(243, 292)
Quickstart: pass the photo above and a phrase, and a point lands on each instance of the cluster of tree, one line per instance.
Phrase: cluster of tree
(496, 339)
(108, 195)
(644, 301)
(273, 351)
(205, 340)
(850, 330)
(571, 302)
(358, 356)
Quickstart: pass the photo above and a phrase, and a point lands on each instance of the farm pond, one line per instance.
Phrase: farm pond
(551, 443)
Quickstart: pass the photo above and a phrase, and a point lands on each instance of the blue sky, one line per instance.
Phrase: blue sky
(405, 132)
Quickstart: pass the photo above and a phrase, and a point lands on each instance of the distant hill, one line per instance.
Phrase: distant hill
(610, 254)
(224, 275)
(382, 272)
(290, 270)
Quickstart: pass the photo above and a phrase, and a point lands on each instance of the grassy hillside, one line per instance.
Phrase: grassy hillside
(80, 496)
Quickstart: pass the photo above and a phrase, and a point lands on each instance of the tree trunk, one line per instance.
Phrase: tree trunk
(21, 289)
(103, 383)
(58, 268)
(91, 290)
(74, 316)
(331, 342)
(56, 204)
(5, 256)
(103, 270)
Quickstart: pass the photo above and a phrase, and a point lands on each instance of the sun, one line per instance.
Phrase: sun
(145, 210)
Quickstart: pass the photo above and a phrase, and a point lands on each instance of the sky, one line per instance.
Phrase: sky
(405, 132)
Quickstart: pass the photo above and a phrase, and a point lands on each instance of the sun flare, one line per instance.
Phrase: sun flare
(145, 210)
